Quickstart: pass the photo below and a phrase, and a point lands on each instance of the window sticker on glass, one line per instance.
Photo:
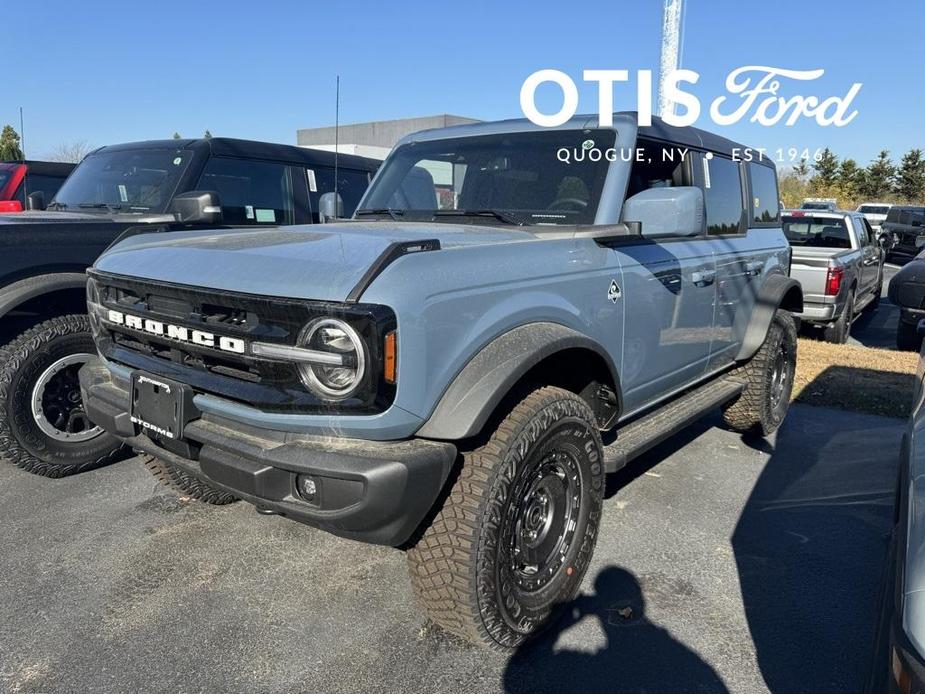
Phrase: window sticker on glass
(177, 161)
(123, 193)
(706, 169)
(264, 215)
(312, 185)
(249, 211)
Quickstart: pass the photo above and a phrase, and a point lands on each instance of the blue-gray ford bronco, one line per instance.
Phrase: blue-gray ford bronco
(511, 313)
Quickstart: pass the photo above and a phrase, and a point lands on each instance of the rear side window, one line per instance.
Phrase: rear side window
(351, 185)
(251, 192)
(47, 184)
(722, 194)
(765, 207)
(817, 232)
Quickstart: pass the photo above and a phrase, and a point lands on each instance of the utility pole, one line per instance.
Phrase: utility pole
(671, 52)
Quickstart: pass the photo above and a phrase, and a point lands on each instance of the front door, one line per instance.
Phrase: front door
(669, 294)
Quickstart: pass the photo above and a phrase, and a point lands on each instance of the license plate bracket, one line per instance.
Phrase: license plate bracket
(161, 407)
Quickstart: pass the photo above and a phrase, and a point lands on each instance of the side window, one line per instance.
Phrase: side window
(251, 192)
(863, 238)
(47, 184)
(765, 207)
(659, 166)
(351, 184)
(722, 194)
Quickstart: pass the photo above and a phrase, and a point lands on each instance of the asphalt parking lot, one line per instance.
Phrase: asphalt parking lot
(720, 566)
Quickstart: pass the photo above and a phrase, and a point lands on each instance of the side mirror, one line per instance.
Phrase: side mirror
(36, 200)
(663, 212)
(330, 207)
(197, 207)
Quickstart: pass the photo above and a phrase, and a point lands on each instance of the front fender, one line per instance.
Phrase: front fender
(19, 292)
(491, 374)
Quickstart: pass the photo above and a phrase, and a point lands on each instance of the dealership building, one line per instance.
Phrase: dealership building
(373, 139)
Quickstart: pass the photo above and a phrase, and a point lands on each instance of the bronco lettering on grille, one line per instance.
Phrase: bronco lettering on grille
(176, 332)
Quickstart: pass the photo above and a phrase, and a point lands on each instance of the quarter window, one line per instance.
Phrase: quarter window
(765, 207)
(722, 194)
(251, 192)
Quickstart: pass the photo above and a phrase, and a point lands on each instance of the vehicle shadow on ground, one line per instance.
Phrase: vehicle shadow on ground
(810, 547)
(639, 655)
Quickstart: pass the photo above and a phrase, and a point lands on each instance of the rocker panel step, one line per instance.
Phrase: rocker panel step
(649, 430)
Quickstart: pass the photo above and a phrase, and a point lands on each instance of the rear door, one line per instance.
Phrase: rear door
(870, 255)
(744, 228)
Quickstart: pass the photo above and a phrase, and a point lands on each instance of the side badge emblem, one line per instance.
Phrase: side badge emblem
(614, 292)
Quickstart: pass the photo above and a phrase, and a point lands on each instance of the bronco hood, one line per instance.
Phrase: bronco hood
(323, 262)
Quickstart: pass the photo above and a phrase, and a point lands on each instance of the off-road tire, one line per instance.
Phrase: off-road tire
(459, 567)
(839, 331)
(22, 362)
(907, 337)
(755, 410)
(187, 485)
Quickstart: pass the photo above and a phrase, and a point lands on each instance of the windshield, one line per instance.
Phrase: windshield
(817, 232)
(874, 209)
(141, 180)
(513, 178)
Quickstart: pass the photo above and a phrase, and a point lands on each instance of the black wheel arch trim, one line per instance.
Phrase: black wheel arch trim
(17, 293)
(778, 291)
(489, 376)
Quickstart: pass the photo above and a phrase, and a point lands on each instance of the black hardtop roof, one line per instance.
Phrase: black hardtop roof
(659, 130)
(253, 149)
(49, 168)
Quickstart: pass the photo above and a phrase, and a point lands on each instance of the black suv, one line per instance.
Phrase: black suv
(903, 226)
(154, 186)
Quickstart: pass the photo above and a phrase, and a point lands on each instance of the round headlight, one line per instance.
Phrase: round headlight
(333, 382)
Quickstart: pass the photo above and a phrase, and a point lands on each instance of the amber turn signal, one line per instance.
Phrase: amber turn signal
(390, 361)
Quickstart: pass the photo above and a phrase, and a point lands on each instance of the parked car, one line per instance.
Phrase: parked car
(119, 190)
(825, 204)
(875, 213)
(839, 264)
(905, 224)
(907, 290)
(437, 373)
(21, 179)
(899, 652)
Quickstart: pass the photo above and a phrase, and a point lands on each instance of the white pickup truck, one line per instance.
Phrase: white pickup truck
(838, 262)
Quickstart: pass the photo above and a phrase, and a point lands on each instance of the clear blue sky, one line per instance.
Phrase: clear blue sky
(108, 72)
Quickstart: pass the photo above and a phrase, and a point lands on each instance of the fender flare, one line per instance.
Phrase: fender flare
(22, 290)
(490, 375)
(778, 291)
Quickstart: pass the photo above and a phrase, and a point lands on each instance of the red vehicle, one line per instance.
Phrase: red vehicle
(20, 179)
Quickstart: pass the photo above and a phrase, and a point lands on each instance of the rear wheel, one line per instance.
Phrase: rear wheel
(171, 476)
(44, 428)
(768, 378)
(516, 533)
(839, 331)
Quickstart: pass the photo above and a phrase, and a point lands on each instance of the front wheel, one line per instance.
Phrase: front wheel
(44, 428)
(768, 377)
(516, 533)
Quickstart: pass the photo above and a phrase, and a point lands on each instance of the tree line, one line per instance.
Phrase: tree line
(71, 152)
(851, 184)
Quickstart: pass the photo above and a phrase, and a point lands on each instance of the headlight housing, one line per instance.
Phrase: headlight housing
(344, 375)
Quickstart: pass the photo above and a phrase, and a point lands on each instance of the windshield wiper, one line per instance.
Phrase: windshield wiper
(394, 214)
(497, 214)
(99, 206)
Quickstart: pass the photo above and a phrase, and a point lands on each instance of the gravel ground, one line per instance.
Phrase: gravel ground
(720, 566)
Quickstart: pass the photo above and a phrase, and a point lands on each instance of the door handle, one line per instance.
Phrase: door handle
(703, 278)
(754, 268)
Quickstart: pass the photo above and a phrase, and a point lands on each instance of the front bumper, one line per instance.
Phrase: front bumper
(372, 491)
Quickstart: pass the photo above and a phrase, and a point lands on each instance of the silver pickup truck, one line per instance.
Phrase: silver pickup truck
(838, 262)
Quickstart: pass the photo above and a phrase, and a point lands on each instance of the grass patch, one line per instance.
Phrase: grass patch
(859, 379)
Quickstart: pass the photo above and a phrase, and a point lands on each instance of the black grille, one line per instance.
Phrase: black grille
(265, 383)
